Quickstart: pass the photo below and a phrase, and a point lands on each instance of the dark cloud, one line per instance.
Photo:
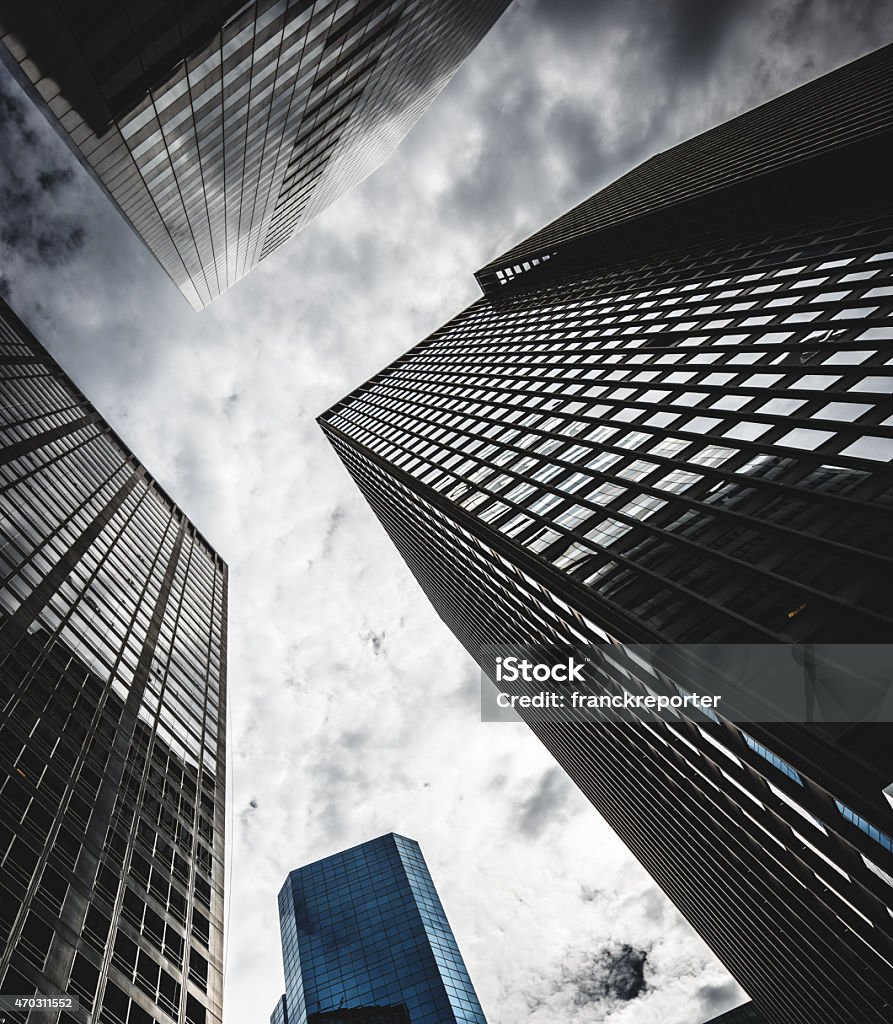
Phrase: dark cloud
(52, 181)
(56, 248)
(375, 640)
(579, 91)
(545, 805)
(688, 32)
(354, 739)
(697, 29)
(15, 119)
(613, 974)
(248, 813)
(716, 999)
(685, 39)
(38, 225)
(336, 518)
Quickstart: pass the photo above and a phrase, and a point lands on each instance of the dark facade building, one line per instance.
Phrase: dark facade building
(112, 718)
(221, 127)
(365, 940)
(668, 420)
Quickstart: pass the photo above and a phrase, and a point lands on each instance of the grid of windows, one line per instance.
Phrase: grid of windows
(365, 938)
(714, 407)
(686, 439)
(221, 128)
(112, 716)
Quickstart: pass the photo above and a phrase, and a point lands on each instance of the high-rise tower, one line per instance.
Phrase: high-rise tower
(112, 718)
(221, 127)
(668, 420)
(365, 940)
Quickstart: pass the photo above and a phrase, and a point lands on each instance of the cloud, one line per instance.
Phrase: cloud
(375, 640)
(716, 999)
(609, 975)
(545, 805)
(576, 92)
(40, 227)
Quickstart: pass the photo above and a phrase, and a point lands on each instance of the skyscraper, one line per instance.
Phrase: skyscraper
(221, 127)
(365, 940)
(668, 420)
(112, 718)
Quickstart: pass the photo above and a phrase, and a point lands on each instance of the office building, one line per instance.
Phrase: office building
(220, 128)
(668, 420)
(365, 940)
(112, 718)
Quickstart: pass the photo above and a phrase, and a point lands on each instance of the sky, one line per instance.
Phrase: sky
(353, 711)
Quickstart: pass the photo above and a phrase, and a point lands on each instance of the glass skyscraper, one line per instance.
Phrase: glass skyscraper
(221, 127)
(112, 718)
(668, 420)
(365, 940)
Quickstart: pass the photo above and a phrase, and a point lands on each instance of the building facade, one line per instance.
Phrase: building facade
(112, 718)
(668, 420)
(220, 128)
(365, 940)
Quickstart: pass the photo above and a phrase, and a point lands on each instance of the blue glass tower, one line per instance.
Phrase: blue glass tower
(365, 940)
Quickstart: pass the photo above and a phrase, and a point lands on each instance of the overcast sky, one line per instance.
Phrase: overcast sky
(353, 711)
